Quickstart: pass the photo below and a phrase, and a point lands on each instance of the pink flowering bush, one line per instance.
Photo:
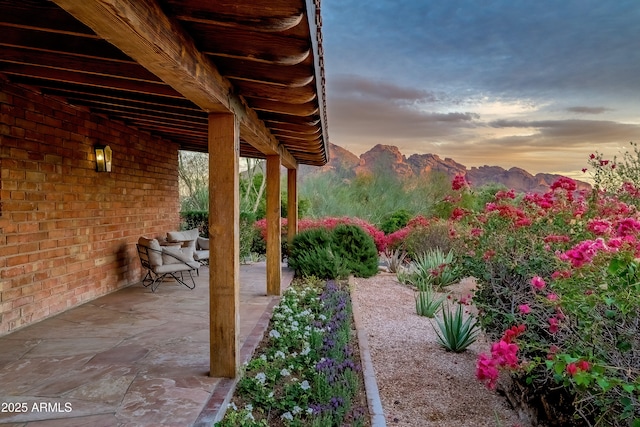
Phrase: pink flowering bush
(559, 295)
(329, 223)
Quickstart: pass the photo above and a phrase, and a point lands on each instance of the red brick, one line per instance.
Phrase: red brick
(67, 221)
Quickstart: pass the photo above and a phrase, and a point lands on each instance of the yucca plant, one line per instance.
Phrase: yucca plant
(456, 332)
(436, 267)
(428, 301)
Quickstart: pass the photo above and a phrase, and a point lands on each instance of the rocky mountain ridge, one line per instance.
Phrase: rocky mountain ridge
(388, 158)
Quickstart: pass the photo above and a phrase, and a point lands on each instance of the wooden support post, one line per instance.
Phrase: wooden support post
(224, 232)
(274, 248)
(292, 205)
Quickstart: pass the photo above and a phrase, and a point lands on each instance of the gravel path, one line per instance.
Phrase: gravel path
(421, 384)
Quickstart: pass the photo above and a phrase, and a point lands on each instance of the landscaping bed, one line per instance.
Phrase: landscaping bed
(420, 383)
(306, 371)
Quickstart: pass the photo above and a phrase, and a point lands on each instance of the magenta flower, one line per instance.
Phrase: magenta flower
(505, 354)
(628, 226)
(524, 309)
(538, 283)
(564, 183)
(553, 325)
(487, 371)
(583, 365)
(459, 182)
(552, 297)
(599, 226)
(583, 252)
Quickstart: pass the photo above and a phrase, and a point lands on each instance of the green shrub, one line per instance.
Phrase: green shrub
(357, 249)
(316, 241)
(321, 262)
(331, 254)
(248, 234)
(422, 239)
(395, 221)
(196, 219)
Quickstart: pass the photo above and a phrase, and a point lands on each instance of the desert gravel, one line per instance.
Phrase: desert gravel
(421, 384)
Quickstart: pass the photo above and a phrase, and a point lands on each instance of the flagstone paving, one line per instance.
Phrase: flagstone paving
(130, 358)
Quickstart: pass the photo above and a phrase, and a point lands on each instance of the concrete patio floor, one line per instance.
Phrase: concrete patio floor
(131, 358)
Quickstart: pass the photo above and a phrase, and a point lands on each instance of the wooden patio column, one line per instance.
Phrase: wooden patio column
(274, 248)
(224, 260)
(292, 205)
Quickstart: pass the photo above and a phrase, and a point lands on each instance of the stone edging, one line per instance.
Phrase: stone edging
(371, 386)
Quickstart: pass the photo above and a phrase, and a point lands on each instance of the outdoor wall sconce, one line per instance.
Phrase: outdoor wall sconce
(103, 158)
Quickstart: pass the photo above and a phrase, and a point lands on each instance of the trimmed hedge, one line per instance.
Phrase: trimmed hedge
(331, 254)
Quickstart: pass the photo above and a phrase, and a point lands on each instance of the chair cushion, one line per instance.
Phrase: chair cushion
(203, 243)
(190, 235)
(201, 255)
(172, 268)
(155, 255)
(176, 255)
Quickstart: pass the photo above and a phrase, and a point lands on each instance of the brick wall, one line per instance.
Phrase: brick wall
(67, 232)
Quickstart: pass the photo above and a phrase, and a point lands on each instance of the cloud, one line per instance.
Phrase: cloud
(485, 83)
(550, 145)
(351, 85)
(588, 110)
(554, 132)
(362, 114)
(533, 49)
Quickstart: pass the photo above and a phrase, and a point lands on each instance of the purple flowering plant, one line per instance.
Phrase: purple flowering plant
(305, 372)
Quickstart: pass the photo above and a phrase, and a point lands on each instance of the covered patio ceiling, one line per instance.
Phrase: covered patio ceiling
(164, 65)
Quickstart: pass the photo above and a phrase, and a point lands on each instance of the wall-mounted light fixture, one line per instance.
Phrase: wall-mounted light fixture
(103, 158)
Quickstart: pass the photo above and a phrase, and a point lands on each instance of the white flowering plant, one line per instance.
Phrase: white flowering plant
(305, 372)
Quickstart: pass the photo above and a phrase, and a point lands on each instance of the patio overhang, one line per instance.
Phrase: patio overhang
(164, 65)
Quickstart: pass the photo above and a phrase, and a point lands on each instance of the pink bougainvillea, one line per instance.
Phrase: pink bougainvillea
(486, 371)
(583, 252)
(599, 226)
(524, 309)
(564, 183)
(504, 355)
(459, 182)
(538, 283)
(628, 227)
(575, 367)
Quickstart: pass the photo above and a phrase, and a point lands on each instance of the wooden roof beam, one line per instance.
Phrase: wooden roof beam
(141, 30)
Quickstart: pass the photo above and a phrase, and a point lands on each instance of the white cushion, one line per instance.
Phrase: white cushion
(201, 255)
(180, 236)
(176, 255)
(155, 255)
(172, 268)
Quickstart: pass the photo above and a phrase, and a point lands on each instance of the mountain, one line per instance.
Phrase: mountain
(388, 158)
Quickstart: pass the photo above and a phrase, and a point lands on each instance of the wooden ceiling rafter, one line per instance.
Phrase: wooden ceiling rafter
(161, 63)
(160, 45)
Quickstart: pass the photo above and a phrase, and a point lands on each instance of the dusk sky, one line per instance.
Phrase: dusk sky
(536, 84)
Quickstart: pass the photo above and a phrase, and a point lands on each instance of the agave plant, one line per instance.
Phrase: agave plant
(435, 267)
(456, 332)
(428, 301)
(395, 259)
